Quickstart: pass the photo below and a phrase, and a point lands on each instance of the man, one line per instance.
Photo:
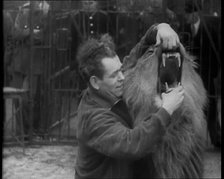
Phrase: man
(206, 46)
(21, 62)
(108, 144)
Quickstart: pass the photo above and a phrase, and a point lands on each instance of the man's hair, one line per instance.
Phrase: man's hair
(90, 54)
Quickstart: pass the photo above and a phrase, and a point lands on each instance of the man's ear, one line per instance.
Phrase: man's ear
(94, 81)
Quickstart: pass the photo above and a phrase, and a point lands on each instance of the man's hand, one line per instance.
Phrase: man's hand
(166, 36)
(173, 99)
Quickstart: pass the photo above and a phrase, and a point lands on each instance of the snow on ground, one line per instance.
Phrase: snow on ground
(212, 165)
(57, 162)
(50, 162)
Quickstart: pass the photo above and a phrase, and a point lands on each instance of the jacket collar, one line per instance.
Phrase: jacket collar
(100, 98)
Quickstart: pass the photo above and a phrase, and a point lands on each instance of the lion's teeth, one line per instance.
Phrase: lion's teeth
(179, 61)
(164, 57)
(167, 87)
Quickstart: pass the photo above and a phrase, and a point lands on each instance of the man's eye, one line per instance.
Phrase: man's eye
(37, 27)
(113, 75)
(25, 26)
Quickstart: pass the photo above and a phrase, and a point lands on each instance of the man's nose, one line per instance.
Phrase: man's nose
(121, 76)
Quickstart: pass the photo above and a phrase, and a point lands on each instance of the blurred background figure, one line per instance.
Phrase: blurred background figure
(206, 46)
(20, 62)
(8, 27)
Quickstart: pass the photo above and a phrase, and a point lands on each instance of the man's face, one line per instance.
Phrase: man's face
(90, 5)
(113, 78)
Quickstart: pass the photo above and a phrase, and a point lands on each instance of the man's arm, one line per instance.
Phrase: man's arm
(158, 34)
(107, 134)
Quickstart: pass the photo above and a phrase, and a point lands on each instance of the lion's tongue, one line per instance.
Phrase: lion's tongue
(169, 74)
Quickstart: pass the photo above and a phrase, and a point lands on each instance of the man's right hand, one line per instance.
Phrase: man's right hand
(173, 99)
(167, 37)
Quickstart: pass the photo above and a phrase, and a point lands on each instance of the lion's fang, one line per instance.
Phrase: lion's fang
(164, 57)
(179, 61)
(167, 87)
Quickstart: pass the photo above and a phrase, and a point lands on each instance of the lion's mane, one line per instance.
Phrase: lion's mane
(180, 154)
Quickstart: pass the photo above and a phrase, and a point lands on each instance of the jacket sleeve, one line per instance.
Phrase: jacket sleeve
(146, 41)
(104, 132)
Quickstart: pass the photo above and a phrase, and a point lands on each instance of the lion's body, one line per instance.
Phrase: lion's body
(179, 155)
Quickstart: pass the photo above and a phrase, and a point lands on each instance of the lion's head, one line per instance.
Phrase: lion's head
(156, 70)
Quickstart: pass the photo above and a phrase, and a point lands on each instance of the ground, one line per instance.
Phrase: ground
(57, 162)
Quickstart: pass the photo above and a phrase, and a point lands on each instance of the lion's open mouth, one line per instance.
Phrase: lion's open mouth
(169, 72)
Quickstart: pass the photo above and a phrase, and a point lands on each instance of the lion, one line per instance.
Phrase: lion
(180, 153)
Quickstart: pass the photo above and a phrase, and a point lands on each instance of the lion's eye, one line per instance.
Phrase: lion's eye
(25, 26)
(37, 27)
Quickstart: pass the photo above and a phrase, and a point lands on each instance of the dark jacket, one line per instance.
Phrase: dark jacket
(107, 144)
